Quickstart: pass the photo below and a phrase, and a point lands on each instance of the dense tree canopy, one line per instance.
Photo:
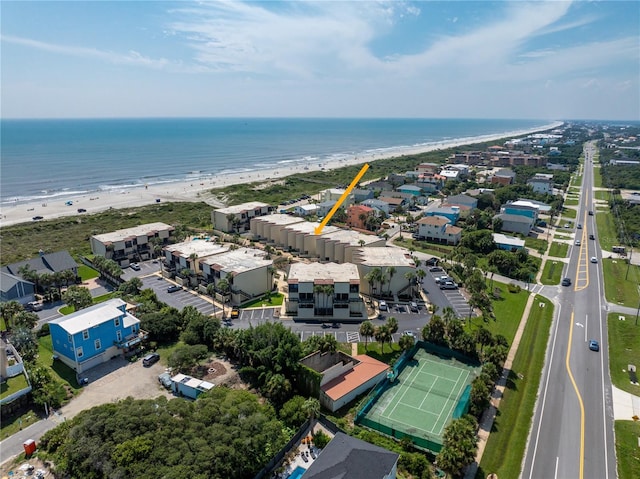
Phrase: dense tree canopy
(226, 433)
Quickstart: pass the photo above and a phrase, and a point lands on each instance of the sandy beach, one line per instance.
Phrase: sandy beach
(198, 190)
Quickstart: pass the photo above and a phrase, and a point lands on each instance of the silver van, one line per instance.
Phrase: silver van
(150, 359)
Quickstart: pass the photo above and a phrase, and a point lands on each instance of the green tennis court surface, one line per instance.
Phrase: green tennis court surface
(428, 392)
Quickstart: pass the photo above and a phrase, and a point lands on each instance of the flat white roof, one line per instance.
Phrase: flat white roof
(384, 257)
(510, 240)
(135, 231)
(251, 205)
(351, 237)
(279, 219)
(310, 228)
(94, 316)
(239, 260)
(202, 248)
(304, 273)
(309, 207)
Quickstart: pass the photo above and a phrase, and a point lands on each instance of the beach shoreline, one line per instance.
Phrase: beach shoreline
(197, 190)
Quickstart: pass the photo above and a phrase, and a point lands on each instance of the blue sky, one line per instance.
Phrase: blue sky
(474, 59)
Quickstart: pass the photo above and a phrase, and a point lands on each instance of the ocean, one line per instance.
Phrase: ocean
(45, 159)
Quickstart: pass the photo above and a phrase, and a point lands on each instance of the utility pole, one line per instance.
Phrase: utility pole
(629, 263)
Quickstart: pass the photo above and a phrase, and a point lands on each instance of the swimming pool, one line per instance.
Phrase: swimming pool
(297, 472)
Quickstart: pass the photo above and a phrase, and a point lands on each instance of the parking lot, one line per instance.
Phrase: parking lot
(446, 297)
(179, 299)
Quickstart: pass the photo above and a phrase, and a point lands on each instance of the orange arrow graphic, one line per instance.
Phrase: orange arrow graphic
(355, 181)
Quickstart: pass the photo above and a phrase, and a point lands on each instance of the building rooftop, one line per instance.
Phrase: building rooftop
(351, 458)
(515, 218)
(434, 220)
(201, 248)
(44, 264)
(542, 207)
(308, 227)
(235, 209)
(508, 240)
(350, 237)
(365, 369)
(93, 316)
(239, 260)
(304, 273)
(383, 257)
(133, 232)
(278, 219)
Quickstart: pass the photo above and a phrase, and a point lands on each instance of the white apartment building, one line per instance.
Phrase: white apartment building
(189, 254)
(131, 244)
(394, 265)
(236, 218)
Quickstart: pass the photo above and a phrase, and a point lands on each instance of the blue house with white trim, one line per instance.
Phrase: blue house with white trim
(94, 335)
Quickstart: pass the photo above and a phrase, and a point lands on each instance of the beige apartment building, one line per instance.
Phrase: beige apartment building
(237, 218)
(271, 227)
(131, 244)
(324, 291)
(394, 264)
(189, 254)
(339, 246)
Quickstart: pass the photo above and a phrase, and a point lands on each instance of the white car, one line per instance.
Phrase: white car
(382, 306)
(594, 259)
(409, 333)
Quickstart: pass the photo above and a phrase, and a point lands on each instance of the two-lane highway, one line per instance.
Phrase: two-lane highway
(572, 431)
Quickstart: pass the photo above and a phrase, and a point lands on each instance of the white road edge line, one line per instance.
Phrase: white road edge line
(604, 401)
(556, 473)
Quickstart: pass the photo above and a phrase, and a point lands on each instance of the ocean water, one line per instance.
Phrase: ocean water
(43, 159)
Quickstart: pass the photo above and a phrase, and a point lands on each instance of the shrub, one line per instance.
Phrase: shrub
(514, 288)
(44, 330)
(320, 439)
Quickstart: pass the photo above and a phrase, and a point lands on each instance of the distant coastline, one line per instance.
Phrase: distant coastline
(197, 187)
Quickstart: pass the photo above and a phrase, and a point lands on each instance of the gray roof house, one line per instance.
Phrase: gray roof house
(516, 223)
(45, 263)
(14, 288)
(352, 458)
(378, 205)
(360, 195)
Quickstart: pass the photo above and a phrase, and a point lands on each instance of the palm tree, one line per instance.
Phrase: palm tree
(391, 271)
(392, 324)
(8, 311)
(224, 287)
(449, 314)
(406, 342)
(311, 408)
(411, 277)
(382, 335)
(421, 274)
(29, 274)
(211, 291)
(367, 330)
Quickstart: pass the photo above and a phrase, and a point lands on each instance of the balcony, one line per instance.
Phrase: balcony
(132, 340)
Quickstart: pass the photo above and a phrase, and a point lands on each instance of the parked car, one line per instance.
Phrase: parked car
(81, 210)
(432, 261)
(134, 266)
(150, 359)
(173, 288)
(382, 306)
(443, 279)
(235, 312)
(435, 269)
(413, 306)
(34, 306)
(566, 282)
(594, 345)
(36, 218)
(165, 380)
(409, 333)
(566, 225)
(448, 285)
(336, 325)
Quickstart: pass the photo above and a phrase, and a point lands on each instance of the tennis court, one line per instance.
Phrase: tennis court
(428, 392)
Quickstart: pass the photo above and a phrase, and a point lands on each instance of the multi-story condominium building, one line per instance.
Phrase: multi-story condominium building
(247, 270)
(131, 244)
(340, 245)
(96, 334)
(393, 263)
(270, 228)
(334, 194)
(357, 216)
(469, 157)
(326, 292)
(517, 158)
(189, 254)
(237, 218)
(440, 229)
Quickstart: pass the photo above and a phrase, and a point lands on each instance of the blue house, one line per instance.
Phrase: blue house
(410, 189)
(93, 335)
(452, 213)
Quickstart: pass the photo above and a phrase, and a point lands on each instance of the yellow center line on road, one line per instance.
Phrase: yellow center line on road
(582, 268)
(575, 387)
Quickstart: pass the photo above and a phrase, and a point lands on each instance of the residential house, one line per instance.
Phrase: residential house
(394, 203)
(430, 168)
(357, 216)
(237, 218)
(348, 457)
(189, 254)
(450, 174)
(306, 210)
(508, 243)
(324, 291)
(96, 334)
(247, 270)
(439, 229)
(325, 206)
(378, 206)
(334, 194)
(461, 200)
(503, 177)
(412, 190)
(515, 223)
(431, 182)
(131, 244)
(531, 205)
(361, 195)
(45, 263)
(379, 186)
(395, 179)
(186, 386)
(387, 260)
(541, 183)
(344, 377)
(452, 213)
(14, 288)
(11, 365)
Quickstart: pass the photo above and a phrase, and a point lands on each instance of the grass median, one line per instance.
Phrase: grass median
(621, 282)
(627, 450)
(513, 421)
(624, 344)
(552, 272)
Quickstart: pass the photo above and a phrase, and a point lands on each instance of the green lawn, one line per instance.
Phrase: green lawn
(507, 310)
(621, 282)
(59, 370)
(627, 450)
(559, 250)
(552, 272)
(569, 213)
(607, 232)
(391, 352)
(562, 237)
(87, 273)
(13, 385)
(98, 299)
(624, 344)
(13, 424)
(571, 202)
(602, 195)
(597, 178)
(511, 427)
(423, 246)
(274, 300)
(537, 244)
